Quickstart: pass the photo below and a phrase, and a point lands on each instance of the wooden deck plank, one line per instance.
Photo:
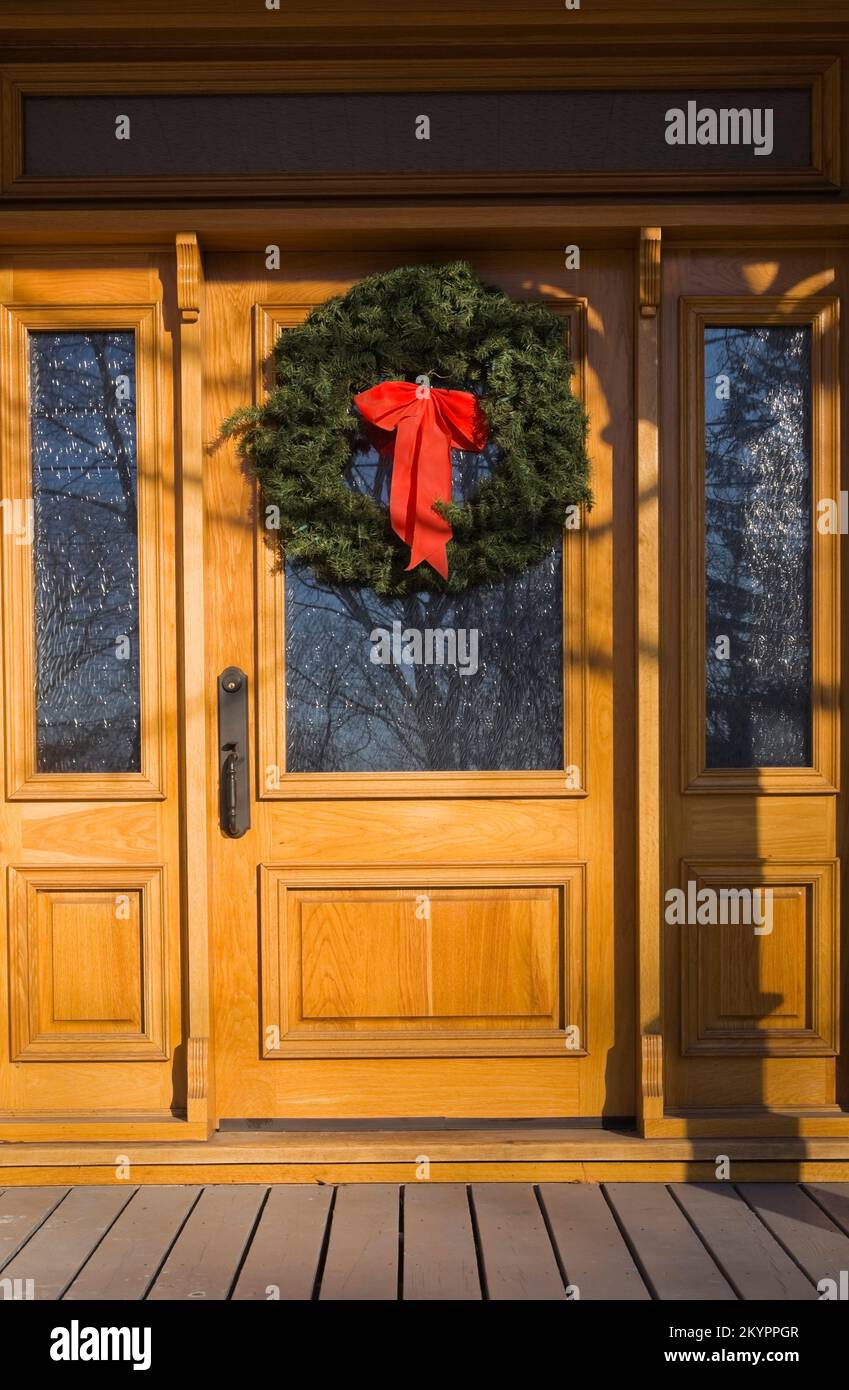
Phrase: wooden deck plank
(204, 1261)
(834, 1197)
(516, 1253)
(63, 1242)
(131, 1252)
(749, 1257)
(810, 1236)
(362, 1255)
(440, 1260)
(592, 1251)
(667, 1248)
(22, 1210)
(286, 1249)
(701, 1241)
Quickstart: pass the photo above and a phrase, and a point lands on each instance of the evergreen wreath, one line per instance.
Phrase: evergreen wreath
(442, 321)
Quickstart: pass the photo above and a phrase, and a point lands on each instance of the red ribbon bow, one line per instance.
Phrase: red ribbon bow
(428, 424)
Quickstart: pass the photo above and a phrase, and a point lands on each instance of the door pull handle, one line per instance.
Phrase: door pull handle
(233, 762)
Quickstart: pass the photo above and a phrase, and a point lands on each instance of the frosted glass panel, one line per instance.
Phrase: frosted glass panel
(758, 546)
(83, 409)
(426, 683)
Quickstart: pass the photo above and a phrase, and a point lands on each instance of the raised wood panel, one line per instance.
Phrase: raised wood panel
(88, 978)
(378, 970)
(768, 990)
(446, 954)
(95, 959)
(764, 981)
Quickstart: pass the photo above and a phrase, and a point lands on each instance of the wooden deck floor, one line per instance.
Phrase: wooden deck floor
(425, 1241)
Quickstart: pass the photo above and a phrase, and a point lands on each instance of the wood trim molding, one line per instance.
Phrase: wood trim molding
(189, 274)
(648, 628)
(336, 24)
(197, 1069)
(23, 780)
(821, 313)
(649, 271)
(272, 780)
(652, 1067)
(818, 73)
(405, 224)
(197, 798)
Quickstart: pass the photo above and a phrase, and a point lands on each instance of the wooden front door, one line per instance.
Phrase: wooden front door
(432, 911)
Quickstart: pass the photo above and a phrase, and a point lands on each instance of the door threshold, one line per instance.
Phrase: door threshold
(622, 1124)
(549, 1153)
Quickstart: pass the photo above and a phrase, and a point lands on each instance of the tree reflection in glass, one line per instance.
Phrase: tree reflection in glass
(346, 713)
(758, 545)
(83, 422)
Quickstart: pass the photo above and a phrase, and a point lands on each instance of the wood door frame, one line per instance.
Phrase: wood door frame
(818, 73)
(199, 797)
(700, 229)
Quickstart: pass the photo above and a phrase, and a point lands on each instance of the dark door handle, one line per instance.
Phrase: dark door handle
(233, 762)
(230, 788)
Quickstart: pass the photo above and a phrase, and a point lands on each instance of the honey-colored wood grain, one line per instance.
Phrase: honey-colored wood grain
(410, 1146)
(369, 957)
(410, 225)
(774, 993)
(88, 954)
(94, 1044)
(354, 832)
(759, 1073)
(649, 1079)
(361, 971)
(473, 830)
(193, 711)
(77, 928)
(703, 1171)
